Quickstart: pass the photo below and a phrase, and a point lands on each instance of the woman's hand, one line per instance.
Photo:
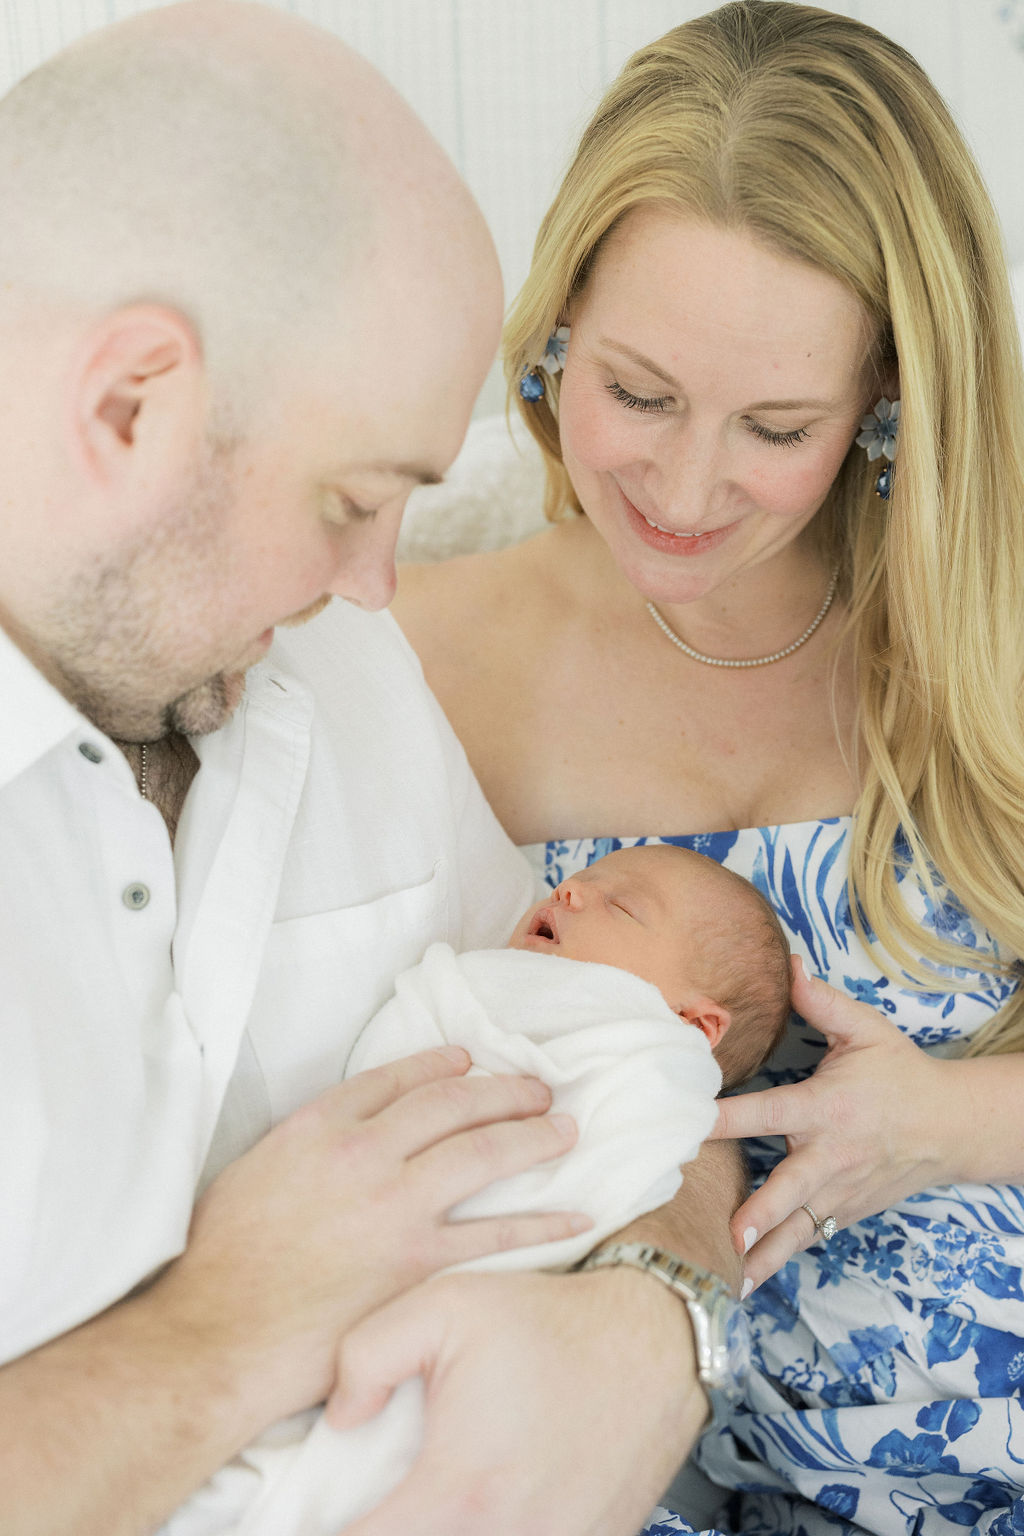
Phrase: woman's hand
(875, 1122)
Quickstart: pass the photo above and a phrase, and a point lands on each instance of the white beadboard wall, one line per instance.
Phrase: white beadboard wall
(505, 85)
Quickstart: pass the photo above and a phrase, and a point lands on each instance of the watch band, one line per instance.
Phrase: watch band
(704, 1294)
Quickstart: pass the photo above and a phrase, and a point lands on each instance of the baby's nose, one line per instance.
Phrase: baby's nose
(569, 894)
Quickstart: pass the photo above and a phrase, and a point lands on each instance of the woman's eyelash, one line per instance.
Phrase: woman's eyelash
(660, 403)
(784, 439)
(637, 402)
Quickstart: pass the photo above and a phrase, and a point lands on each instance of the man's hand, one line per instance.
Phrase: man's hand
(346, 1203)
(106, 1430)
(558, 1405)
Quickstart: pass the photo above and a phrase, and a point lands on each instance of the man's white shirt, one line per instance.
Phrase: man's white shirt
(334, 830)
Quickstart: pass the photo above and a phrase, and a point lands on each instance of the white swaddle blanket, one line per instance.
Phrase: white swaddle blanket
(640, 1084)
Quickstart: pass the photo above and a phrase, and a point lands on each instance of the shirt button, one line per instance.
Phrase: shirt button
(89, 752)
(136, 896)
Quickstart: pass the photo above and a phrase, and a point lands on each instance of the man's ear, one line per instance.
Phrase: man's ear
(137, 390)
(710, 1018)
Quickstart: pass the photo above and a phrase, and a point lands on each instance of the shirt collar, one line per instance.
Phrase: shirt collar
(37, 717)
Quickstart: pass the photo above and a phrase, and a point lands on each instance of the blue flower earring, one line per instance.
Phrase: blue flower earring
(531, 385)
(878, 435)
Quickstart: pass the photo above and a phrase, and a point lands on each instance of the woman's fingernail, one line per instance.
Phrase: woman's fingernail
(746, 1288)
(749, 1239)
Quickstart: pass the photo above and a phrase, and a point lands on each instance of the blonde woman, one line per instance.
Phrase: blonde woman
(778, 619)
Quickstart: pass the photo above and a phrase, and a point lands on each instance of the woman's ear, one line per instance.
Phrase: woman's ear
(137, 390)
(709, 1017)
(891, 384)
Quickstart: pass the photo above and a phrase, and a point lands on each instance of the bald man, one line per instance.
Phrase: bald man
(245, 306)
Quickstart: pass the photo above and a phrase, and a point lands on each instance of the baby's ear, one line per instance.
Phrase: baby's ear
(710, 1018)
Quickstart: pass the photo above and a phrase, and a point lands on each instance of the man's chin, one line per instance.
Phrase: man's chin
(209, 706)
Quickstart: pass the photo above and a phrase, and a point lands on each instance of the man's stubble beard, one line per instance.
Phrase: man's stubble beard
(110, 642)
(206, 707)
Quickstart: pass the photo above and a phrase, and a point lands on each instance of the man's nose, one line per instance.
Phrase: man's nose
(366, 573)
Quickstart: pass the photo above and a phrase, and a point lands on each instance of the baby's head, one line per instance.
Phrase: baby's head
(703, 936)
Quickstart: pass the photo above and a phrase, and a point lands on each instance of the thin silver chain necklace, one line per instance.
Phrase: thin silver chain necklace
(144, 773)
(753, 661)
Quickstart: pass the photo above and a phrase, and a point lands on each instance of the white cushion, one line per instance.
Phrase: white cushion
(492, 496)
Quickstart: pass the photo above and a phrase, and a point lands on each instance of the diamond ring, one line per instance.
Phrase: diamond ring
(826, 1229)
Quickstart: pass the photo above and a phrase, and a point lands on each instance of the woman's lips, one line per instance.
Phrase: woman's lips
(682, 544)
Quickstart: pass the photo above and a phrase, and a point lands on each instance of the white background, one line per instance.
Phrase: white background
(506, 85)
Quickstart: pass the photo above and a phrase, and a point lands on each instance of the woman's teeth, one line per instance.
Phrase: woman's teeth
(671, 531)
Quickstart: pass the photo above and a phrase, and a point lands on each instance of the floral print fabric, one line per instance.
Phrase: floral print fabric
(887, 1390)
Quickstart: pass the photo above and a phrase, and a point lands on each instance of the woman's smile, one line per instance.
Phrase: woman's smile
(672, 541)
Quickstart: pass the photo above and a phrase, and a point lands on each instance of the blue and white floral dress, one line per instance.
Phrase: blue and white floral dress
(887, 1393)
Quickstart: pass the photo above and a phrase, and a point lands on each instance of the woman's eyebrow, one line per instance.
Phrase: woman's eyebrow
(828, 406)
(639, 357)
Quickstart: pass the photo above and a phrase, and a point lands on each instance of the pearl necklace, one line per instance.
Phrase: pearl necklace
(754, 661)
(143, 775)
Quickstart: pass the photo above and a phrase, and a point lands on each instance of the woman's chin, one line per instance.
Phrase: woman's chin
(655, 565)
(663, 579)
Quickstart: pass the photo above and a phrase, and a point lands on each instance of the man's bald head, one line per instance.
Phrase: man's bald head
(225, 160)
(245, 304)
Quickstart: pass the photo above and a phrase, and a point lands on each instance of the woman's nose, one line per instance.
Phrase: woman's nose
(689, 475)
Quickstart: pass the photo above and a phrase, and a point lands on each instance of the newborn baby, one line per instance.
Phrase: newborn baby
(635, 990)
(703, 936)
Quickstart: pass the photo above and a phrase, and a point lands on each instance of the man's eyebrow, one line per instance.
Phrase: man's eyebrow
(829, 406)
(423, 474)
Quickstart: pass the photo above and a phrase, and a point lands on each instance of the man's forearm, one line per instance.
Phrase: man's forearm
(106, 1430)
(695, 1225)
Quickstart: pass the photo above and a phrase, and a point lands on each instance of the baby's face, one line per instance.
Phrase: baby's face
(630, 910)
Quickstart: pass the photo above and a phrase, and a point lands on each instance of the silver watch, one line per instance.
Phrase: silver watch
(720, 1331)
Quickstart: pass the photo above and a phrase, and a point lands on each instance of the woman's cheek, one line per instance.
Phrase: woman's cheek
(793, 489)
(594, 430)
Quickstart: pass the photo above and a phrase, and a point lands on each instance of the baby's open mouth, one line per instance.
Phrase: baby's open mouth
(542, 926)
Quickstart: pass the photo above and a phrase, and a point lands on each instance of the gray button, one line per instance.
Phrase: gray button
(89, 752)
(135, 897)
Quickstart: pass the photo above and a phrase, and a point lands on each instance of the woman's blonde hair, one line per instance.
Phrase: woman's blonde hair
(826, 141)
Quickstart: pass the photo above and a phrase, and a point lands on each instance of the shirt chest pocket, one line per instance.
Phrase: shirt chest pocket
(324, 976)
